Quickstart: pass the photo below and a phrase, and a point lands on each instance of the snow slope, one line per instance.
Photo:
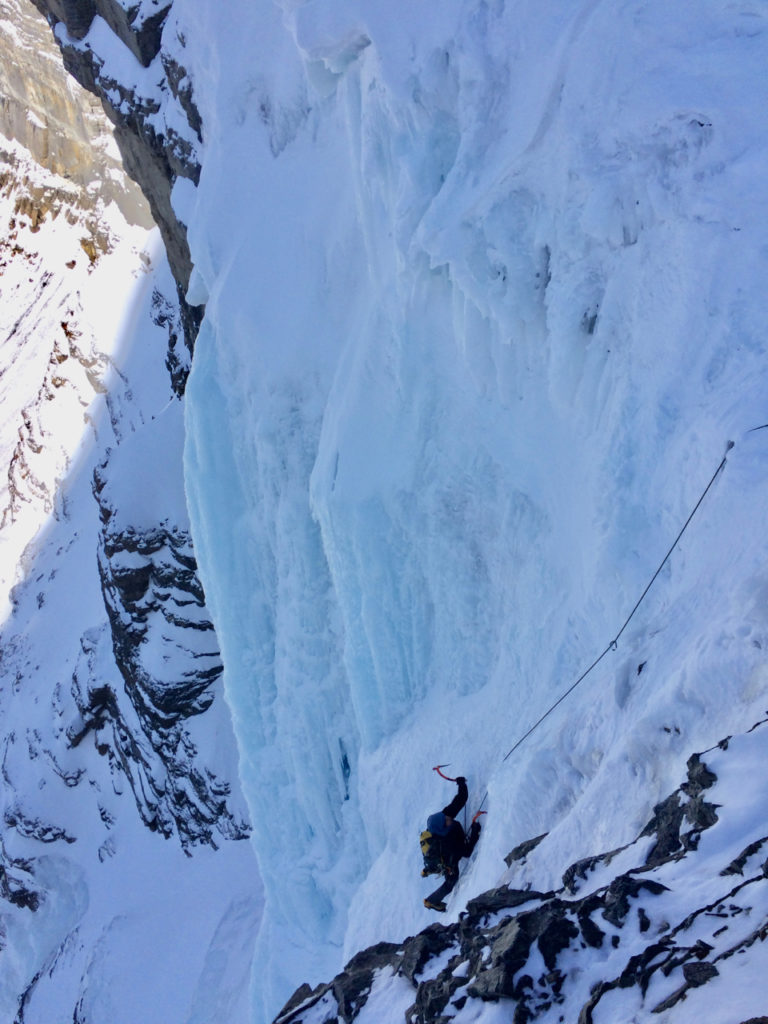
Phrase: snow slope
(92, 899)
(485, 306)
(666, 928)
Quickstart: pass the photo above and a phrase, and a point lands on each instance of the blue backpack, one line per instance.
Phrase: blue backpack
(431, 844)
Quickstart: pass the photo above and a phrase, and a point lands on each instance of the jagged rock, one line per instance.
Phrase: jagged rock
(670, 814)
(349, 990)
(699, 776)
(33, 828)
(173, 318)
(503, 953)
(549, 926)
(303, 997)
(154, 159)
(699, 973)
(556, 931)
(736, 867)
(502, 898)
(667, 818)
(138, 31)
(352, 987)
(432, 998)
(521, 851)
(181, 87)
(621, 891)
(579, 870)
(427, 944)
(17, 881)
(582, 868)
(591, 933)
(142, 575)
(173, 794)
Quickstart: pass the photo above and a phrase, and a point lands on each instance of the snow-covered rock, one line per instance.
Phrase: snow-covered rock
(113, 49)
(120, 797)
(630, 934)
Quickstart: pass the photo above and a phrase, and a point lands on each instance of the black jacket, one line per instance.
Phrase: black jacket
(456, 844)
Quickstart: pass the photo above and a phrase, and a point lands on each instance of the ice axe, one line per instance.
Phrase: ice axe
(442, 774)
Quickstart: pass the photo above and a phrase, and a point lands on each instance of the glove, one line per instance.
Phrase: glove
(460, 778)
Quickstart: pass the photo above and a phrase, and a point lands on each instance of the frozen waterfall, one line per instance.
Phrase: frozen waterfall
(481, 317)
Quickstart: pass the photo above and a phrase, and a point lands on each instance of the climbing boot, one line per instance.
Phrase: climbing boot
(437, 905)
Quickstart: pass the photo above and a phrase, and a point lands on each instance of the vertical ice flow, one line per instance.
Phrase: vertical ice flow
(478, 329)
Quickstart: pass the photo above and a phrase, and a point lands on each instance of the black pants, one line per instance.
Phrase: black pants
(451, 878)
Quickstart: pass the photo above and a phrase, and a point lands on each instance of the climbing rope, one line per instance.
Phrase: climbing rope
(614, 643)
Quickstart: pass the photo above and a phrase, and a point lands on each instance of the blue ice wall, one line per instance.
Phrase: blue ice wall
(474, 339)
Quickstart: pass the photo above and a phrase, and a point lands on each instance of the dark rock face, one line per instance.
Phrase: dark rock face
(509, 944)
(522, 850)
(673, 815)
(17, 883)
(165, 647)
(136, 25)
(153, 158)
(181, 322)
(148, 574)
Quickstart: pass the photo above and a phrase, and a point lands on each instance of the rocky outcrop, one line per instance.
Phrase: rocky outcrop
(535, 951)
(59, 123)
(154, 598)
(164, 645)
(138, 25)
(153, 753)
(155, 150)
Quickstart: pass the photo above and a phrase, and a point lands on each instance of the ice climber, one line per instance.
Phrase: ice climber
(448, 844)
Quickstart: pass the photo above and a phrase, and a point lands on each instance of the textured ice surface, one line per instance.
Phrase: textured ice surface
(485, 306)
